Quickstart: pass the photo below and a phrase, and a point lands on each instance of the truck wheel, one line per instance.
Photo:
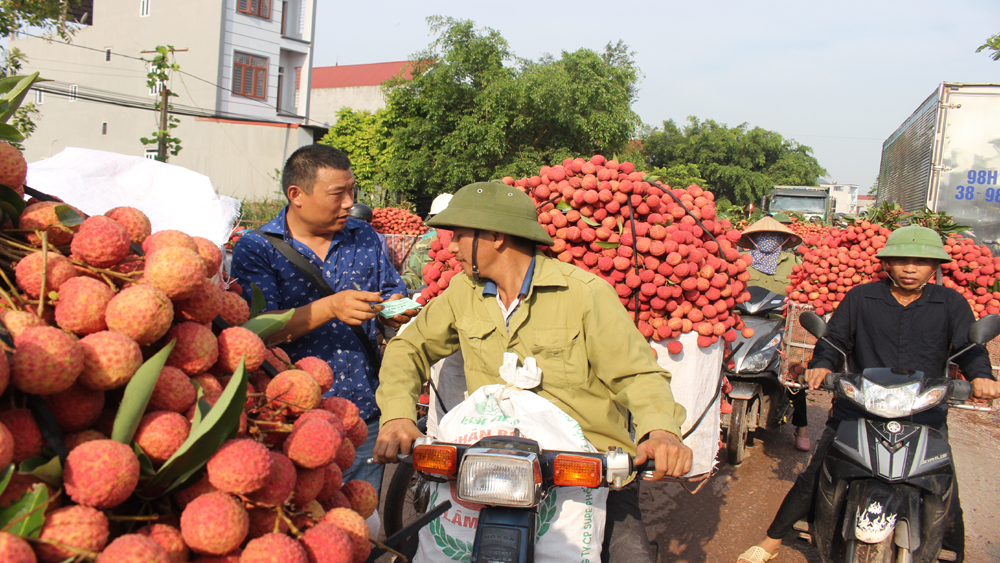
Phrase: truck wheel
(736, 440)
(405, 501)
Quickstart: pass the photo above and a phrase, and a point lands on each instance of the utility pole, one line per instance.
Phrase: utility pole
(161, 151)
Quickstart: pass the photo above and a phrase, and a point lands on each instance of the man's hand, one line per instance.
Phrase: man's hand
(401, 319)
(672, 457)
(395, 438)
(354, 307)
(984, 388)
(815, 377)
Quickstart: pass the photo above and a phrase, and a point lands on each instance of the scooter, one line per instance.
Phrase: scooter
(510, 476)
(758, 397)
(885, 486)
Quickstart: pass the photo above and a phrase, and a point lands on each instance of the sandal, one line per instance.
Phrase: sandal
(756, 554)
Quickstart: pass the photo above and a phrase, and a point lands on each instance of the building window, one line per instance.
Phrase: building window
(151, 154)
(39, 97)
(104, 128)
(72, 92)
(250, 75)
(144, 8)
(107, 54)
(156, 89)
(259, 8)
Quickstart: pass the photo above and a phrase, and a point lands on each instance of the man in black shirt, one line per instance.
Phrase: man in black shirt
(900, 322)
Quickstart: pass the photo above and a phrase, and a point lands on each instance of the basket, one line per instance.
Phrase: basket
(797, 344)
(400, 247)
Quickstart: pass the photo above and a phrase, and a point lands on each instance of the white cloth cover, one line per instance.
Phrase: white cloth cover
(571, 519)
(694, 379)
(171, 196)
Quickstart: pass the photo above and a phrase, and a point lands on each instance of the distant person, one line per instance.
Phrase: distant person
(420, 255)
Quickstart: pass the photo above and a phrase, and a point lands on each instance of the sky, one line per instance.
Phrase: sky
(839, 77)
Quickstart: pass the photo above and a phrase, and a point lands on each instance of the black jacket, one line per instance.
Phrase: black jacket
(876, 331)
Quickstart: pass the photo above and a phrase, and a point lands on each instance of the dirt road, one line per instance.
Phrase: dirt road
(734, 509)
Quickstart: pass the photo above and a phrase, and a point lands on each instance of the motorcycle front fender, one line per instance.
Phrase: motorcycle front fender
(872, 510)
(505, 534)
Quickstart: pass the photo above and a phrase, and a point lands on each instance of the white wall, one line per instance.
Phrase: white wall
(326, 101)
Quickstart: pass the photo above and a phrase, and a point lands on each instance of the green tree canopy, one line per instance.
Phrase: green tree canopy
(992, 44)
(362, 136)
(739, 163)
(473, 111)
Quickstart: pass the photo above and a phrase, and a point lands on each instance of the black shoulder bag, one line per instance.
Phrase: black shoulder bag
(316, 279)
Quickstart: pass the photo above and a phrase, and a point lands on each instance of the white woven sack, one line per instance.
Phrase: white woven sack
(571, 520)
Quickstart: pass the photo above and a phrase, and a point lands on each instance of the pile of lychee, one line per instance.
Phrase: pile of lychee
(672, 262)
(84, 313)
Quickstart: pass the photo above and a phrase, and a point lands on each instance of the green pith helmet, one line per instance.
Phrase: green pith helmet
(782, 218)
(492, 206)
(914, 242)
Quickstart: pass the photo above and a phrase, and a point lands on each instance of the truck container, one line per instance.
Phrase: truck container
(813, 202)
(946, 155)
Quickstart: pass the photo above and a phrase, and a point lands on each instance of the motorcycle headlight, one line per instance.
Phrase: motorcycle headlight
(889, 402)
(505, 478)
(759, 360)
(930, 398)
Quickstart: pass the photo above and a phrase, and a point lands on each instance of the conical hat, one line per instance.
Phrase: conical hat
(769, 225)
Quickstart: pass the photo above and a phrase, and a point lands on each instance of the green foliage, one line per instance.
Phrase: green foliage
(159, 74)
(364, 138)
(680, 175)
(48, 15)
(13, 89)
(137, 394)
(992, 44)
(739, 163)
(474, 111)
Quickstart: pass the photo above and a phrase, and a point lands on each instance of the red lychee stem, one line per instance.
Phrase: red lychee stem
(148, 518)
(105, 273)
(78, 552)
(400, 558)
(45, 255)
(291, 526)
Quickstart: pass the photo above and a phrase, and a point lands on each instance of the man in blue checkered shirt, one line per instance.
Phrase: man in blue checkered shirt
(319, 185)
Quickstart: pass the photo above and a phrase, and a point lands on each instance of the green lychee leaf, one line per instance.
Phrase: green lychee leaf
(48, 470)
(25, 517)
(137, 394)
(14, 95)
(14, 199)
(10, 133)
(257, 303)
(271, 323)
(203, 405)
(590, 222)
(146, 468)
(563, 206)
(606, 244)
(221, 422)
(5, 476)
(68, 216)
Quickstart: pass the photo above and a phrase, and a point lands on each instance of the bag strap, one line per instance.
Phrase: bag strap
(316, 279)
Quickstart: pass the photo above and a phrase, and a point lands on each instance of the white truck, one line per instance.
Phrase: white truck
(946, 156)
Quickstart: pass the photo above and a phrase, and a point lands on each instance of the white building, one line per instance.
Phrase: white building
(358, 87)
(845, 197)
(241, 116)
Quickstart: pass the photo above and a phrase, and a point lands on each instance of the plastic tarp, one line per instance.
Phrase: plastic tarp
(171, 196)
(694, 382)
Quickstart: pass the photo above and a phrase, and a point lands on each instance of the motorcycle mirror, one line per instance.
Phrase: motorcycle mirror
(813, 323)
(985, 329)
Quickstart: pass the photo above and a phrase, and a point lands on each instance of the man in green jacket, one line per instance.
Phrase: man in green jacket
(595, 364)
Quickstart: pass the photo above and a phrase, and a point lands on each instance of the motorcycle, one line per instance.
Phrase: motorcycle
(758, 397)
(509, 475)
(885, 486)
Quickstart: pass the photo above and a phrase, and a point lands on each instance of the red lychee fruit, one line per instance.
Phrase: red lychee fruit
(169, 538)
(28, 441)
(265, 521)
(134, 548)
(362, 496)
(141, 312)
(196, 350)
(166, 238)
(308, 484)
(28, 273)
(272, 548)
(358, 434)
(135, 222)
(162, 433)
(79, 527)
(280, 483)
(345, 457)
(313, 444)
(88, 480)
(13, 168)
(13, 549)
(82, 305)
(294, 391)
(214, 523)
(110, 359)
(76, 408)
(355, 527)
(333, 481)
(319, 369)
(326, 543)
(42, 217)
(236, 343)
(101, 242)
(46, 361)
(235, 311)
(19, 321)
(176, 271)
(173, 391)
(240, 467)
(203, 306)
(76, 438)
(184, 496)
(7, 450)
(210, 255)
(675, 347)
(346, 410)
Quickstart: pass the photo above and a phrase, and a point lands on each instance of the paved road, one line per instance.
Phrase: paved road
(735, 507)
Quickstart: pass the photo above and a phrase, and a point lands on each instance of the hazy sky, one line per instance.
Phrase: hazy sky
(838, 76)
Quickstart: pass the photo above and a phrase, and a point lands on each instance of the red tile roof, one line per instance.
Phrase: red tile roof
(346, 76)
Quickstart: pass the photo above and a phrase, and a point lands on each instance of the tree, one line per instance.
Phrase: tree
(159, 77)
(992, 44)
(363, 137)
(738, 163)
(473, 111)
